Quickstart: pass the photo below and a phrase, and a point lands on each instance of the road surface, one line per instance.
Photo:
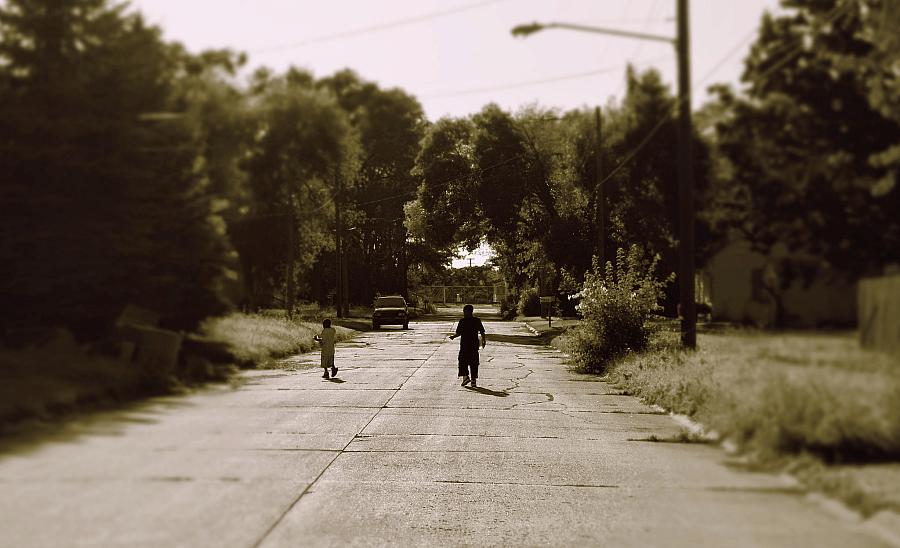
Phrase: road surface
(397, 453)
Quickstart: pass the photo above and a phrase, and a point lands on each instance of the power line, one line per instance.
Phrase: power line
(733, 51)
(541, 81)
(376, 28)
(640, 146)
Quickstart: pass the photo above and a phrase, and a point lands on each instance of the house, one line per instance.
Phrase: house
(737, 284)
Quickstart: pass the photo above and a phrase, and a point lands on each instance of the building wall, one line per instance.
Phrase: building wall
(879, 313)
(735, 277)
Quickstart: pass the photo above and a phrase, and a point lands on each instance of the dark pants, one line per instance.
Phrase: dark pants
(464, 370)
(468, 360)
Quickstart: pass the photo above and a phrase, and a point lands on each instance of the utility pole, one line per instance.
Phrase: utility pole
(338, 249)
(289, 269)
(345, 279)
(686, 265)
(600, 196)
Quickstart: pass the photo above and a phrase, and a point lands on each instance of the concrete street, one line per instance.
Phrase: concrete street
(395, 452)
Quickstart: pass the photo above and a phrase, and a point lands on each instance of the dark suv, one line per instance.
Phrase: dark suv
(390, 310)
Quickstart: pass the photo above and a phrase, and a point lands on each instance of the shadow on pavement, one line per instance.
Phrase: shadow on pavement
(357, 324)
(447, 313)
(105, 420)
(528, 340)
(336, 380)
(488, 391)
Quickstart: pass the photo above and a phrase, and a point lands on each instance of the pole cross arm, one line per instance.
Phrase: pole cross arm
(525, 30)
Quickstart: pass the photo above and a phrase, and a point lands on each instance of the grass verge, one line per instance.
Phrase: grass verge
(58, 377)
(814, 403)
(260, 340)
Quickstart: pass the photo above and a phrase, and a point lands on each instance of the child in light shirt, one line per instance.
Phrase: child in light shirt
(326, 339)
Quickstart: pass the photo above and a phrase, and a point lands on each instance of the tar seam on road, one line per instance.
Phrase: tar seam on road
(338, 453)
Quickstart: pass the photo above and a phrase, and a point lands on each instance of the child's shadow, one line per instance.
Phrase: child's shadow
(335, 379)
(488, 391)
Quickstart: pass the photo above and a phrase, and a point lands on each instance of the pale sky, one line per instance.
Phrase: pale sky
(457, 55)
(478, 257)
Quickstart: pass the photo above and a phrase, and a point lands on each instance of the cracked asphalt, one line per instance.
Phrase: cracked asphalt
(395, 452)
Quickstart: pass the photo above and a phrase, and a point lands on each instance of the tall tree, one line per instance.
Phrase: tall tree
(390, 124)
(809, 146)
(104, 195)
(303, 144)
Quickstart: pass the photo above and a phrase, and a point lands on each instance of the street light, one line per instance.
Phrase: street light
(531, 28)
(681, 42)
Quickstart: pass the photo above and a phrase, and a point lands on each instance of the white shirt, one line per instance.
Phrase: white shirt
(327, 343)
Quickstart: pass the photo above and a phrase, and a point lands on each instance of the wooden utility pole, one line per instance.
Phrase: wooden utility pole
(685, 170)
(600, 195)
(345, 280)
(289, 269)
(338, 249)
(686, 265)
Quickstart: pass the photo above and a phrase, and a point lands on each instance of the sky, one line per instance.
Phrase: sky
(455, 56)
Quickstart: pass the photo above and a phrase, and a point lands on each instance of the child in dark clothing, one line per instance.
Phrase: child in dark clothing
(468, 328)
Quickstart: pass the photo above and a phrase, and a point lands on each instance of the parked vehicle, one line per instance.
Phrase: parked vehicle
(390, 310)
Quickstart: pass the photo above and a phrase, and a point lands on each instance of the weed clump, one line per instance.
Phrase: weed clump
(616, 304)
(777, 394)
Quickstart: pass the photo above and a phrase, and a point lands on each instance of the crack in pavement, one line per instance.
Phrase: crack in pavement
(339, 453)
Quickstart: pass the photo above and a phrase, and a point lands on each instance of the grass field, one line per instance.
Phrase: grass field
(812, 401)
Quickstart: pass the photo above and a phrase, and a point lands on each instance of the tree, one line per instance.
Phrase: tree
(390, 123)
(808, 149)
(104, 197)
(303, 144)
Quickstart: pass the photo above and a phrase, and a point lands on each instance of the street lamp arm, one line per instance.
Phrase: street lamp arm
(525, 30)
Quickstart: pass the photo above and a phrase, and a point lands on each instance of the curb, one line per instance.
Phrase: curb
(884, 524)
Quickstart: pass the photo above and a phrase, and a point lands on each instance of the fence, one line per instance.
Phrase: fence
(461, 294)
(879, 313)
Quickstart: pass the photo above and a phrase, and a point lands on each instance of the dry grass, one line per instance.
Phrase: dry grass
(261, 339)
(814, 403)
(781, 393)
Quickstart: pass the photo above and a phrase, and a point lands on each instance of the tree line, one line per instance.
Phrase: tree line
(136, 172)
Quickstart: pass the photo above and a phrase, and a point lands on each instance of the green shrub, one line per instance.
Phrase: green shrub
(529, 303)
(616, 303)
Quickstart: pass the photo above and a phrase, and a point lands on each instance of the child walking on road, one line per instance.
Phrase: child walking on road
(327, 342)
(468, 328)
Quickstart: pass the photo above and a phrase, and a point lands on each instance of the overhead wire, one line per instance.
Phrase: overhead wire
(793, 51)
(529, 83)
(375, 28)
(836, 12)
(646, 139)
